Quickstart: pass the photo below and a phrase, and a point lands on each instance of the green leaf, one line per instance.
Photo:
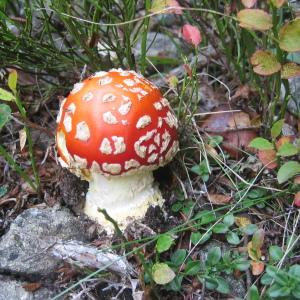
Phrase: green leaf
(223, 286)
(214, 256)
(175, 284)
(192, 268)
(277, 290)
(275, 253)
(162, 273)
(241, 264)
(220, 228)
(265, 63)
(266, 279)
(5, 113)
(294, 271)
(289, 36)
(287, 171)
(206, 217)
(232, 238)
(195, 237)
(3, 190)
(255, 19)
(215, 140)
(12, 81)
(249, 229)
(253, 293)
(178, 257)
(258, 239)
(279, 276)
(296, 292)
(228, 220)
(204, 237)
(6, 96)
(276, 128)
(164, 242)
(176, 207)
(261, 144)
(287, 149)
(211, 283)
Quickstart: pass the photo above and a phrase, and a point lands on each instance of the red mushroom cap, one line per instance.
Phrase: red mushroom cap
(116, 122)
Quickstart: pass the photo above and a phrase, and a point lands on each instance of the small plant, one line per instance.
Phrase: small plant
(273, 153)
(5, 115)
(282, 283)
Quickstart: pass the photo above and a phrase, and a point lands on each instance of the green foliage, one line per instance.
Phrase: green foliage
(283, 283)
(162, 273)
(5, 113)
(261, 144)
(202, 170)
(164, 243)
(255, 19)
(289, 36)
(276, 128)
(287, 171)
(275, 253)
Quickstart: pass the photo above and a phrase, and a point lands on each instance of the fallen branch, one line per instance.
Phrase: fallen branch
(87, 256)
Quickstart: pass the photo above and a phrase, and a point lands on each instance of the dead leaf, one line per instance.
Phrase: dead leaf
(219, 199)
(283, 140)
(188, 70)
(32, 287)
(268, 158)
(242, 92)
(211, 151)
(257, 267)
(297, 180)
(235, 127)
(23, 138)
(297, 199)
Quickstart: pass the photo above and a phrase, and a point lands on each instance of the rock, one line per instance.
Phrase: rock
(294, 102)
(13, 290)
(160, 45)
(295, 4)
(23, 249)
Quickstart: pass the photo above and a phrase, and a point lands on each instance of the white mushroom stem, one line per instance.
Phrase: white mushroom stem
(125, 198)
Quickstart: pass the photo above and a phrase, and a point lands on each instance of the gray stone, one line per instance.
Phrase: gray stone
(295, 4)
(12, 290)
(24, 248)
(160, 45)
(294, 103)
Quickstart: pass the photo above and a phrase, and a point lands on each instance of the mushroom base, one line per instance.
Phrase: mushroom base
(125, 198)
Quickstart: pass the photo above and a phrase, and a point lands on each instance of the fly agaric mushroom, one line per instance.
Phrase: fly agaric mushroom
(113, 130)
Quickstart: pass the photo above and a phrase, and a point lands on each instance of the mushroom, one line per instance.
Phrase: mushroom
(113, 130)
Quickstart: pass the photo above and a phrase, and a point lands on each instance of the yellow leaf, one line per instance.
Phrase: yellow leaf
(254, 254)
(265, 63)
(242, 221)
(290, 70)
